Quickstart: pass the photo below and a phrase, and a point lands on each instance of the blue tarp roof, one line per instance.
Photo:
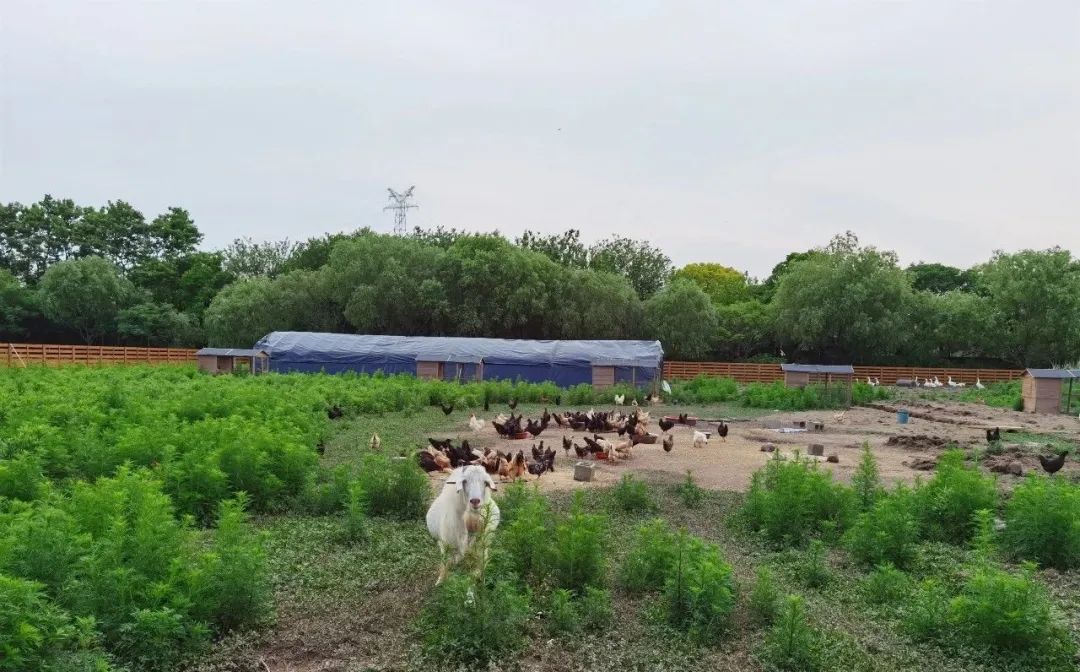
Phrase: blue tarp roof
(819, 368)
(297, 346)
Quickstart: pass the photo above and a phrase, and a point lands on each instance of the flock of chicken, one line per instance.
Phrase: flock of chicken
(1050, 465)
(630, 428)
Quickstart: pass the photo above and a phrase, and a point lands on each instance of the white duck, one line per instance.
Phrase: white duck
(978, 384)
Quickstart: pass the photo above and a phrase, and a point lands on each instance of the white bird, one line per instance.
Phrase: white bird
(978, 384)
(666, 387)
(877, 381)
(475, 424)
(937, 382)
(700, 439)
(869, 382)
(952, 383)
(619, 399)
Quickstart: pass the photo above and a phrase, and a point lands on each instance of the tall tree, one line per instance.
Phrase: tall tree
(845, 302)
(1034, 297)
(246, 258)
(564, 248)
(646, 267)
(682, 317)
(85, 295)
(938, 278)
(16, 306)
(744, 329)
(241, 314)
(723, 284)
(157, 324)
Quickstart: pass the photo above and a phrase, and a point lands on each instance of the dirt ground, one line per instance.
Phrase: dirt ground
(728, 465)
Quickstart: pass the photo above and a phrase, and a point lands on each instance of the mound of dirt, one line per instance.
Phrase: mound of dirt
(1004, 464)
(921, 463)
(918, 441)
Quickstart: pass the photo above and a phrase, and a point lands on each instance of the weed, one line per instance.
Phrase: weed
(563, 615)
(577, 552)
(527, 538)
(816, 572)
(765, 597)
(650, 559)
(356, 516)
(394, 487)
(888, 532)
(946, 505)
(926, 615)
(699, 593)
(632, 495)
(866, 481)
(791, 644)
(473, 622)
(886, 585)
(1042, 522)
(690, 494)
(595, 608)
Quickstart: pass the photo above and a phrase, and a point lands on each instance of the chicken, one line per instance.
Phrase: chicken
(620, 399)
(1052, 465)
(334, 412)
(518, 466)
(722, 430)
(566, 443)
(475, 424)
(487, 405)
(700, 439)
(538, 453)
(581, 452)
(512, 404)
(558, 400)
(433, 460)
(665, 424)
(993, 435)
(447, 410)
(375, 442)
(669, 443)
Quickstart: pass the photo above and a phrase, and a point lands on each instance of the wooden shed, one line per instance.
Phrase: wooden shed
(226, 360)
(462, 368)
(1043, 390)
(837, 378)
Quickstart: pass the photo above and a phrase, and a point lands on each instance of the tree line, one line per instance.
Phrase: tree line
(109, 275)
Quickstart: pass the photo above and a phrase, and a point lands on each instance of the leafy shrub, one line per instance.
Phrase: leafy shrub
(886, 585)
(595, 608)
(577, 551)
(356, 518)
(527, 537)
(699, 593)
(946, 505)
(790, 500)
(689, 492)
(512, 498)
(866, 481)
(563, 615)
(239, 586)
(327, 490)
(780, 397)
(159, 639)
(764, 598)
(864, 393)
(472, 622)
(1042, 522)
(791, 644)
(926, 615)
(632, 495)
(888, 532)
(650, 559)
(704, 389)
(21, 477)
(816, 572)
(396, 488)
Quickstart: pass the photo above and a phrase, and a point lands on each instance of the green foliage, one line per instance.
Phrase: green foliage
(595, 608)
(238, 585)
(778, 396)
(815, 570)
(866, 481)
(632, 495)
(577, 552)
(946, 505)
(21, 477)
(764, 597)
(925, 616)
(473, 622)
(356, 515)
(863, 393)
(722, 284)
(888, 532)
(791, 644)
(704, 389)
(886, 585)
(650, 559)
(526, 535)
(84, 295)
(683, 318)
(699, 591)
(1042, 522)
(690, 493)
(563, 615)
(393, 487)
(789, 501)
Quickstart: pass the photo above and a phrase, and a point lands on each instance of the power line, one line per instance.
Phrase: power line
(400, 204)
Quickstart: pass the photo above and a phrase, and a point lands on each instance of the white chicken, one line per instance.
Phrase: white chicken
(701, 439)
(475, 424)
(619, 399)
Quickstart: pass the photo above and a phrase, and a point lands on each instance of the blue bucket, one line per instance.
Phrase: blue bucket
(902, 417)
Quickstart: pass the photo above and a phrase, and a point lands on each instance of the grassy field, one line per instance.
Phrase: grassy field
(138, 474)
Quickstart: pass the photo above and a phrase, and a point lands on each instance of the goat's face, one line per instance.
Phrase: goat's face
(473, 484)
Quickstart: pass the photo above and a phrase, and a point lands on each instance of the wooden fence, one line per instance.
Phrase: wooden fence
(888, 375)
(26, 354)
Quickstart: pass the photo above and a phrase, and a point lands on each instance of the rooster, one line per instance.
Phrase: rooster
(376, 442)
(518, 466)
(669, 443)
(475, 424)
(538, 453)
(1052, 465)
(721, 430)
(665, 424)
(447, 410)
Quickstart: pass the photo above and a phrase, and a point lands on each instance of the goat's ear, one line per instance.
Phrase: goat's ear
(490, 482)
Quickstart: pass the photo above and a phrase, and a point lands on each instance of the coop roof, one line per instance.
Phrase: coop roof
(327, 348)
(1054, 373)
(842, 369)
(228, 352)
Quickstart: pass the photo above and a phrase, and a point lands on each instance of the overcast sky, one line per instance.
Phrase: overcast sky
(731, 132)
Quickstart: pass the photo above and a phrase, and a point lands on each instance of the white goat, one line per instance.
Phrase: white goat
(463, 513)
(701, 439)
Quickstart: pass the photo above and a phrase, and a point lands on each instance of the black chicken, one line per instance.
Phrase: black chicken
(665, 424)
(683, 417)
(581, 452)
(594, 447)
(537, 468)
(566, 443)
(993, 435)
(487, 405)
(558, 400)
(1052, 465)
(512, 404)
(546, 417)
(427, 461)
(447, 410)
(537, 453)
(722, 430)
(439, 445)
(549, 457)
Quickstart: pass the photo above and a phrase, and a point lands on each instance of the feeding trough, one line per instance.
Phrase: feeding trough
(689, 422)
(519, 436)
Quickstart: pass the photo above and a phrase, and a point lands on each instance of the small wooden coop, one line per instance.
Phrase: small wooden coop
(1048, 390)
(462, 368)
(837, 379)
(228, 360)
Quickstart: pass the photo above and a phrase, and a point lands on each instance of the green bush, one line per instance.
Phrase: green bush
(886, 585)
(1042, 522)
(21, 477)
(864, 393)
(327, 490)
(947, 504)
(356, 517)
(650, 559)
(779, 396)
(789, 501)
(815, 571)
(239, 586)
(471, 622)
(526, 539)
(394, 487)
(866, 481)
(1004, 611)
(595, 608)
(704, 390)
(791, 644)
(764, 598)
(699, 592)
(888, 532)
(563, 615)
(512, 497)
(689, 492)
(632, 495)
(925, 617)
(577, 550)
